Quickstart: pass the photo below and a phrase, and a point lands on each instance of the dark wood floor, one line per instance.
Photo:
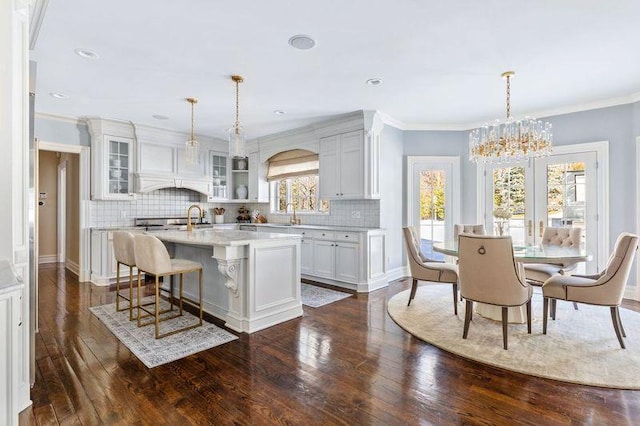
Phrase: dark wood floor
(344, 363)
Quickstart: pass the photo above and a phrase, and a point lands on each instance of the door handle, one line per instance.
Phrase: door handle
(530, 228)
(541, 228)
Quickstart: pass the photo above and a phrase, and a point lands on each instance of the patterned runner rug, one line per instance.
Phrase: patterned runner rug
(315, 296)
(154, 352)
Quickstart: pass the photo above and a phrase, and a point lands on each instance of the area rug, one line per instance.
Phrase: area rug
(579, 347)
(154, 352)
(315, 296)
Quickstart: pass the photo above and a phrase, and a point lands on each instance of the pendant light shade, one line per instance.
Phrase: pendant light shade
(237, 142)
(191, 147)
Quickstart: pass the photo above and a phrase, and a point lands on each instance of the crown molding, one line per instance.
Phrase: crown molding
(37, 11)
(58, 117)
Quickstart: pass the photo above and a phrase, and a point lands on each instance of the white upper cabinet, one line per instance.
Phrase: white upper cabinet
(350, 157)
(258, 185)
(342, 173)
(112, 159)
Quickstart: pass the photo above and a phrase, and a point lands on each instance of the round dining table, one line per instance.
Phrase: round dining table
(524, 254)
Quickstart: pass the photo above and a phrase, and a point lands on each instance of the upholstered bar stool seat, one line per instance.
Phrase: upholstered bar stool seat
(152, 257)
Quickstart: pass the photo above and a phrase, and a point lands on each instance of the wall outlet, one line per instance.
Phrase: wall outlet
(355, 214)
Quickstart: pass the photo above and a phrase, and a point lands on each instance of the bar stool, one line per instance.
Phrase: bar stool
(152, 257)
(123, 249)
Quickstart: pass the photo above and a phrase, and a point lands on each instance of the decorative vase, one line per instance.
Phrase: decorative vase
(242, 164)
(241, 192)
(219, 218)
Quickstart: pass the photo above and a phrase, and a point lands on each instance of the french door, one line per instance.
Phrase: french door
(563, 189)
(434, 199)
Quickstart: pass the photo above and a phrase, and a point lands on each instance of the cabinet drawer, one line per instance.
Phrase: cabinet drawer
(324, 235)
(353, 237)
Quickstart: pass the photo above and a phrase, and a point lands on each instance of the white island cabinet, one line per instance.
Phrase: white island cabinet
(251, 280)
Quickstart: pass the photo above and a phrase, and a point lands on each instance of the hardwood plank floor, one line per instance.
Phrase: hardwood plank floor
(343, 363)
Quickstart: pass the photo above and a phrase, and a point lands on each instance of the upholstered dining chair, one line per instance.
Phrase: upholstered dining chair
(603, 289)
(152, 257)
(489, 274)
(123, 248)
(467, 229)
(538, 273)
(425, 269)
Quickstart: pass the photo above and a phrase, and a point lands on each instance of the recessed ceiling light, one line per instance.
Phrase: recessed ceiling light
(59, 95)
(374, 81)
(279, 112)
(160, 117)
(302, 42)
(86, 53)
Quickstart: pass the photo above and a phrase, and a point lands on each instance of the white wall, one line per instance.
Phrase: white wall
(392, 189)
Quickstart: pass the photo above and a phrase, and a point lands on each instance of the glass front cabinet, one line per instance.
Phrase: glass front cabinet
(116, 169)
(219, 164)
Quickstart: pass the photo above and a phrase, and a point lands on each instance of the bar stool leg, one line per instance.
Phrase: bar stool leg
(117, 286)
(171, 292)
(181, 289)
(139, 299)
(200, 293)
(157, 307)
(130, 293)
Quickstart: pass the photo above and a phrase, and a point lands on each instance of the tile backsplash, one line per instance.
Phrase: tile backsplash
(173, 202)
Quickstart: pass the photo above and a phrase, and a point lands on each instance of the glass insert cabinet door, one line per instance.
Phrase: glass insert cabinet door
(559, 191)
(219, 175)
(118, 167)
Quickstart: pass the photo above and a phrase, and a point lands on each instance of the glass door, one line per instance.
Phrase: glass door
(435, 200)
(560, 190)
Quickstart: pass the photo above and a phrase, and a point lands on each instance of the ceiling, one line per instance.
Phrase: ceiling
(440, 61)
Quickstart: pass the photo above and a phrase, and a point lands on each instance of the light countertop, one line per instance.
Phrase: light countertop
(221, 237)
(321, 227)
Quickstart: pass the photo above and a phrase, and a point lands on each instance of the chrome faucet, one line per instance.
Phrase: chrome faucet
(189, 226)
(294, 220)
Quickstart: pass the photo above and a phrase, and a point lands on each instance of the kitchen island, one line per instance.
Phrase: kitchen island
(251, 280)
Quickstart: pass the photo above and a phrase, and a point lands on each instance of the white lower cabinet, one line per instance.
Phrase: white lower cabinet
(337, 260)
(325, 259)
(306, 256)
(103, 258)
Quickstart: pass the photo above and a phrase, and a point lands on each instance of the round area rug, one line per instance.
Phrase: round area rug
(579, 347)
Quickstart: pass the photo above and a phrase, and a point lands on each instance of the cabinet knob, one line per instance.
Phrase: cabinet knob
(337, 193)
(346, 236)
(341, 194)
(336, 245)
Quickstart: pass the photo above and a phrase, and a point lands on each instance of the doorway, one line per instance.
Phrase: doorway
(433, 199)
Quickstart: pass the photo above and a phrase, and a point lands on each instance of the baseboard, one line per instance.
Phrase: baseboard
(72, 266)
(399, 272)
(48, 258)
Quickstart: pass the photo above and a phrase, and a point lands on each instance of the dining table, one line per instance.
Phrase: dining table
(543, 253)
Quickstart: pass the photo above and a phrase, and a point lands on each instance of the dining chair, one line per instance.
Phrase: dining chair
(425, 269)
(603, 289)
(467, 229)
(489, 274)
(152, 257)
(538, 273)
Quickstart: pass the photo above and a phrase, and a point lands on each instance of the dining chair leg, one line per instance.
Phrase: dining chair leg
(553, 309)
(505, 321)
(545, 314)
(620, 322)
(616, 325)
(575, 306)
(414, 287)
(467, 318)
(455, 299)
(529, 316)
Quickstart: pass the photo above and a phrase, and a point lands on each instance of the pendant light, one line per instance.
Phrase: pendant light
(237, 143)
(191, 147)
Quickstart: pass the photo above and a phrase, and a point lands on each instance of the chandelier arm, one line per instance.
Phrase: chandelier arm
(237, 125)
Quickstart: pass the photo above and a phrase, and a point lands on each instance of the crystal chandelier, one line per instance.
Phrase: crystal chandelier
(191, 147)
(237, 144)
(513, 140)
